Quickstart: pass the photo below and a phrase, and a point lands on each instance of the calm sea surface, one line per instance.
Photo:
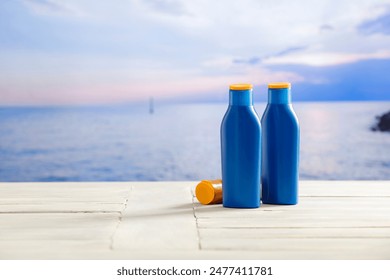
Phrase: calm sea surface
(178, 142)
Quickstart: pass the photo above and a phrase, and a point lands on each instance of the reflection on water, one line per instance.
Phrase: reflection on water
(177, 142)
(337, 142)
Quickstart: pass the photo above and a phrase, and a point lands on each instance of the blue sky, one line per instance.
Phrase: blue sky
(91, 52)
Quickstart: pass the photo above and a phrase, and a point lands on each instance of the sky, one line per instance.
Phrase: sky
(55, 52)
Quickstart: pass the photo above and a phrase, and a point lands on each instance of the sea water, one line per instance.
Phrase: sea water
(178, 142)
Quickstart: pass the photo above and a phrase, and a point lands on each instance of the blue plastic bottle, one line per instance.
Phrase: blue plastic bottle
(280, 147)
(241, 150)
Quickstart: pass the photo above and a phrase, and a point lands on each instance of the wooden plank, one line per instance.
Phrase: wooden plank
(62, 207)
(59, 226)
(308, 206)
(295, 222)
(66, 185)
(275, 233)
(53, 249)
(34, 193)
(344, 188)
(63, 197)
(379, 246)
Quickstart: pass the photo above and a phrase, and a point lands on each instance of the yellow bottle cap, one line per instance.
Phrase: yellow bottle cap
(279, 85)
(209, 192)
(241, 86)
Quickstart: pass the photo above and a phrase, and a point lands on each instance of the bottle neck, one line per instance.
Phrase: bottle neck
(279, 96)
(241, 97)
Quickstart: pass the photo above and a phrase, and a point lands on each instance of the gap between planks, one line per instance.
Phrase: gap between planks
(111, 247)
(196, 221)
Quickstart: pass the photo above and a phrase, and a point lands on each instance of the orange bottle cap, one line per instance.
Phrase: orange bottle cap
(240, 86)
(209, 192)
(279, 85)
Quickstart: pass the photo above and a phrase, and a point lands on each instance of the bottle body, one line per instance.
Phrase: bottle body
(280, 148)
(240, 151)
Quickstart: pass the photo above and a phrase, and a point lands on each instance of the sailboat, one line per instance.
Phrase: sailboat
(151, 105)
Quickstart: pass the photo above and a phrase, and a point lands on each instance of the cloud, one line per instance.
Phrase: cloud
(257, 60)
(170, 7)
(51, 8)
(326, 58)
(379, 25)
(251, 61)
(290, 50)
(363, 80)
(326, 27)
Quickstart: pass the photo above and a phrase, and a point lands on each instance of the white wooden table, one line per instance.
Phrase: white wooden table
(163, 220)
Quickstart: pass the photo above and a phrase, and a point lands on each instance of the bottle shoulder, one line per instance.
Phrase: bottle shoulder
(285, 109)
(241, 114)
(241, 111)
(278, 113)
